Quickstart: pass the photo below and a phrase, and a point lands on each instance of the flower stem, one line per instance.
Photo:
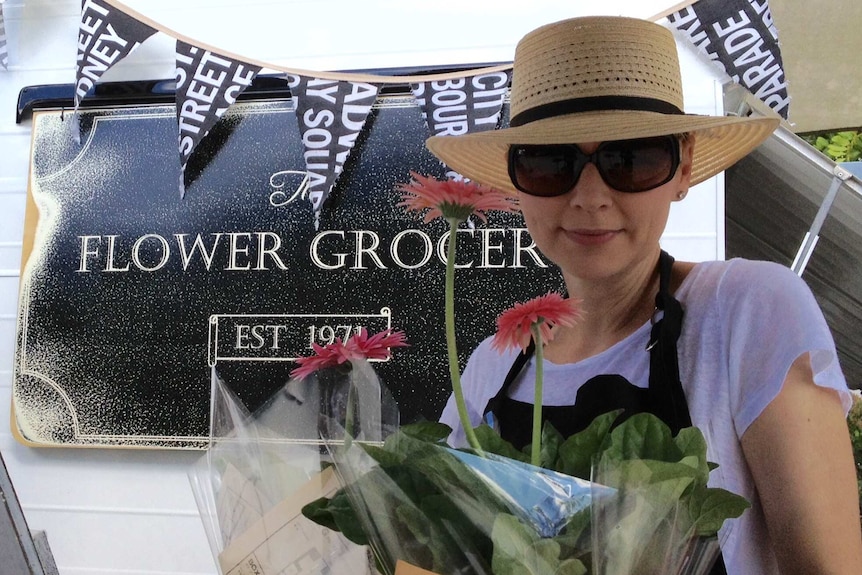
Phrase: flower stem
(536, 448)
(349, 424)
(454, 367)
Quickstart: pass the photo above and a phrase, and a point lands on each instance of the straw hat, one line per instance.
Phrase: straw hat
(597, 79)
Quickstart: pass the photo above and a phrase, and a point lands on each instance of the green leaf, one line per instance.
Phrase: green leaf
(336, 514)
(430, 431)
(690, 441)
(575, 537)
(711, 506)
(692, 446)
(416, 522)
(491, 442)
(381, 455)
(643, 436)
(518, 550)
(420, 436)
(404, 445)
(318, 511)
(511, 541)
(435, 546)
(551, 441)
(571, 567)
(836, 152)
(640, 472)
(577, 452)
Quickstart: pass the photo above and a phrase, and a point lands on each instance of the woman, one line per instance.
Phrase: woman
(597, 150)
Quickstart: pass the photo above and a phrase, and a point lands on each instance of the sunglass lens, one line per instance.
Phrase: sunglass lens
(542, 170)
(638, 165)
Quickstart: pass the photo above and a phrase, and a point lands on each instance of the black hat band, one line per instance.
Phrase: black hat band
(593, 104)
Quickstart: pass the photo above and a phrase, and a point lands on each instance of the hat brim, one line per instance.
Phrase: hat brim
(720, 141)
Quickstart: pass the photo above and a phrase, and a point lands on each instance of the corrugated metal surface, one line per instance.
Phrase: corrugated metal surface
(772, 198)
(110, 512)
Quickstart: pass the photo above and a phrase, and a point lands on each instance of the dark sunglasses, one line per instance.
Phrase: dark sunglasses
(629, 166)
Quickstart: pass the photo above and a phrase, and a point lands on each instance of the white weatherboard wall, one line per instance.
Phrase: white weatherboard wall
(131, 512)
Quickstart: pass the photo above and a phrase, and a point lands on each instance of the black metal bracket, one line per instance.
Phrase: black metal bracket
(138, 92)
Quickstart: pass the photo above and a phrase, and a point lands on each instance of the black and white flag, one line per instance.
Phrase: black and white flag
(740, 37)
(331, 114)
(4, 51)
(462, 105)
(207, 85)
(106, 36)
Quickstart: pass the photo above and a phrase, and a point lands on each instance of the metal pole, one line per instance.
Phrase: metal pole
(811, 237)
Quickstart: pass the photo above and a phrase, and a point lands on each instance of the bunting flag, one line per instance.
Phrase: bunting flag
(331, 108)
(331, 114)
(207, 85)
(4, 53)
(106, 36)
(462, 105)
(740, 37)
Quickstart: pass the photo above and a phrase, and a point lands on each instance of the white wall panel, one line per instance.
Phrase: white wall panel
(131, 512)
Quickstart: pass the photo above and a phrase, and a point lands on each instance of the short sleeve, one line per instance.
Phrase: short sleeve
(483, 376)
(769, 318)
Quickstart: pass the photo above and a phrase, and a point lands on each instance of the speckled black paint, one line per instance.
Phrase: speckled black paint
(120, 358)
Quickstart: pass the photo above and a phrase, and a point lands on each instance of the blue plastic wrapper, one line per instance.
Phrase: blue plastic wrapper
(543, 498)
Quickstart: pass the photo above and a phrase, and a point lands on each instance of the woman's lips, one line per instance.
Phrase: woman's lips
(591, 237)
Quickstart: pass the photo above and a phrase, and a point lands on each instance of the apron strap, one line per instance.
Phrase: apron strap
(667, 396)
(517, 366)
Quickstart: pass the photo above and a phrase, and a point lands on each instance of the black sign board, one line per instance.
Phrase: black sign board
(131, 294)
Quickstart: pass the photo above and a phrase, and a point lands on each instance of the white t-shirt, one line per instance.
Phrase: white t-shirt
(745, 323)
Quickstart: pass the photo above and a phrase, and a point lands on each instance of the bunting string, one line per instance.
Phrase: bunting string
(342, 76)
(332, 107)
(345, 76)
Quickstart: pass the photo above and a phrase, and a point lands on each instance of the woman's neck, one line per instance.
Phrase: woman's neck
(612, 309)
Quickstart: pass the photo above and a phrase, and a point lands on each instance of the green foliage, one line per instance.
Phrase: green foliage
(421, 490)
(519, 551)
(843, 146)
(854, 424)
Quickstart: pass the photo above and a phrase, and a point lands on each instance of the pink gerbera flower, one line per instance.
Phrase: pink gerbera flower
(514, 326)
(360, 346)
(325, 356)
(534, 319)
(376, 346)
(453, 199)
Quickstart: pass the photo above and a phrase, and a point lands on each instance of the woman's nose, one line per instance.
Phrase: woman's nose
(590, 192)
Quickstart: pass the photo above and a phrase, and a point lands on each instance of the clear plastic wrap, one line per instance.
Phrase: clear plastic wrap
(262, 467)
(450, 511)
(645, 526)
(367, 493)
(647, 510)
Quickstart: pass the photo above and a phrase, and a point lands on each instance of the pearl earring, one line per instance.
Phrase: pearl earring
(680, 195)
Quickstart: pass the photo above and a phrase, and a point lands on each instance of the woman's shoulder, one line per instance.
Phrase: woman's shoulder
(486, 352)
(740, 274)
(486, 359)
(740, 282)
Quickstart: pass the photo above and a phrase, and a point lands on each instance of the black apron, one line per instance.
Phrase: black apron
(664, 398)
